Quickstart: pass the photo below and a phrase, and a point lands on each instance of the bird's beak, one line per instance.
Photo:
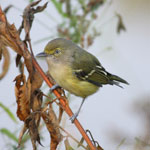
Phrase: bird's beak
(43, 54)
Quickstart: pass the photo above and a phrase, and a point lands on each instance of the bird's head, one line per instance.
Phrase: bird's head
(56, 48)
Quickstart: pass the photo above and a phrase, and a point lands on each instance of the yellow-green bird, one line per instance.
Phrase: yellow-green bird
(76, 70)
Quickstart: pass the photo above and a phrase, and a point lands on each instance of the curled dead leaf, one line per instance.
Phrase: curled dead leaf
(32, 122)
(52, 125)
(18, 59)
(22, 132)
(6, 63)
(36, 100)
(33, 130)
(36, 80)
(36, 105)
(9, 34)
(28, 16)
(23, 93)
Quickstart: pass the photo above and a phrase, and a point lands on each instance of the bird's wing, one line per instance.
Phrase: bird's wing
(87, 67)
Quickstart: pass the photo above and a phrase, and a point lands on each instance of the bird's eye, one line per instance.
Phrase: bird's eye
(57, 52)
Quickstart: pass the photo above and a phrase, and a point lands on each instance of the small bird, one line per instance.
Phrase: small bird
(76, 70)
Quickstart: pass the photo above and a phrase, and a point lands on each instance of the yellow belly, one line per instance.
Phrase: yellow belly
(64, 77)
(80, 88)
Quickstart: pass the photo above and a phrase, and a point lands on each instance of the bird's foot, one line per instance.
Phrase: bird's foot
(73, 117)
(54, 87)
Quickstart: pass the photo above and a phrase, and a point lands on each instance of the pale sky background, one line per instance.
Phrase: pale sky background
(110, 109)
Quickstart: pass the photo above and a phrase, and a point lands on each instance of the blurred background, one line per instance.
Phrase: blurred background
(118, 33)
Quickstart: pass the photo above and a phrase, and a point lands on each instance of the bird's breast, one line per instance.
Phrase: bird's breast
(64, 76)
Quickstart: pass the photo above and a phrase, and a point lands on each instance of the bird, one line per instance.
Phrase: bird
(76, 70)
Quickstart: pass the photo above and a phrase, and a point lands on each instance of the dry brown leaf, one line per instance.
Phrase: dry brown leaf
(33, 120)
(9, 36)
(18, 59)
(23, 93)
(36, 80)
(22, 132)
(6, 63)
(36, 104)
(52, 125)
(28, 15)
(33, 130)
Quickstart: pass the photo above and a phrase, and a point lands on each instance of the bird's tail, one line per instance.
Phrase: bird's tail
(115, 80)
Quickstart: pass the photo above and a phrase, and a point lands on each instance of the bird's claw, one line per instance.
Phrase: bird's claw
(73, 117)
(54, 87)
